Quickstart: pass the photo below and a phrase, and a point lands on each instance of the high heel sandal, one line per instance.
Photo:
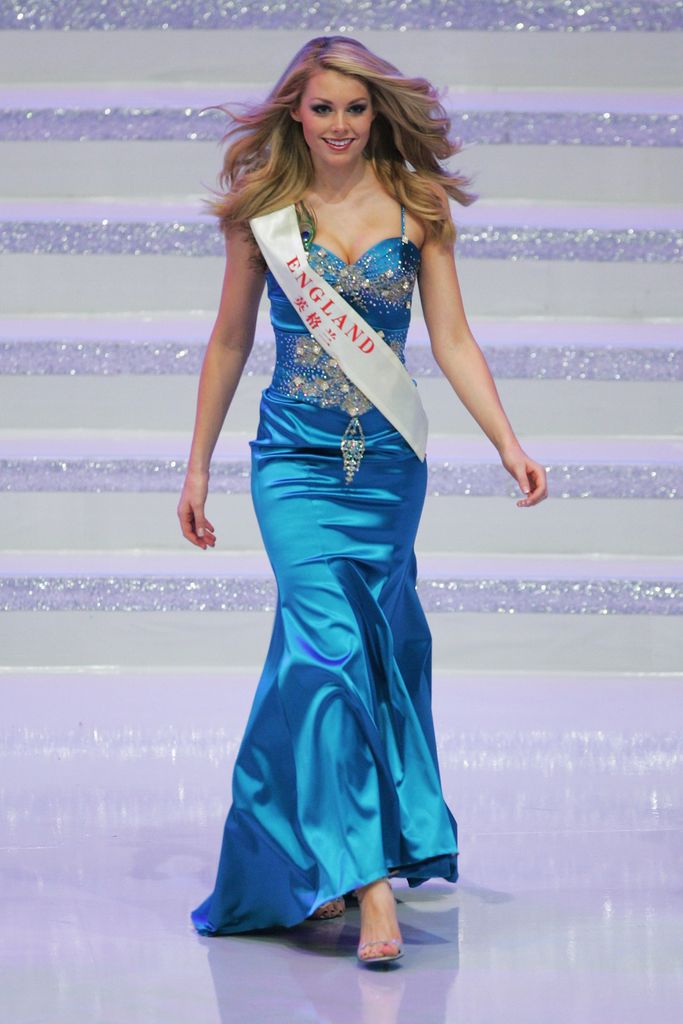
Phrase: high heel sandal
(384, 957)
(326, 911)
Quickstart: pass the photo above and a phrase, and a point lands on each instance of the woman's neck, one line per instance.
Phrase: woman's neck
(333, 184)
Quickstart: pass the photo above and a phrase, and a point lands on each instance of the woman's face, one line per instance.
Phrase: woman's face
(336, 115)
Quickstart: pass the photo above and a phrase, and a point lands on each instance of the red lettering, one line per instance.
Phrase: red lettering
(339, 320)
(355, 332)
(325, 308)
(293, 264)
(316, 293)
(303, 280)
(366, 345)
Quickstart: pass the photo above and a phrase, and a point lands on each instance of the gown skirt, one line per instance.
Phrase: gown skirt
(336, 781)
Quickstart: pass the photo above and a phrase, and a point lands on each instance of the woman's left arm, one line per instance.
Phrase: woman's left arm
(464, 365)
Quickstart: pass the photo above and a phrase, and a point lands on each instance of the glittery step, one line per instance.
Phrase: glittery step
(485, 241)
(72, 357)
(331, 15)
(168, 581)
(138, 475)
(164, 594)
(471, 126)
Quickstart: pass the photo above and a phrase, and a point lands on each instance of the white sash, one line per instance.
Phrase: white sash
(365, 358)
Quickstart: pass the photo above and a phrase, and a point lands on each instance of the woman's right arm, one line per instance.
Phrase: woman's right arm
(228, 349)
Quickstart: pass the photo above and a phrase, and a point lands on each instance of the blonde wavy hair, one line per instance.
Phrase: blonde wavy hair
(268, 164)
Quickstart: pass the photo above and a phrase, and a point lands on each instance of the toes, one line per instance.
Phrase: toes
(379, 948)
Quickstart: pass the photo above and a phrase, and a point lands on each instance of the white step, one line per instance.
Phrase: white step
(503, 59)
(167, 403)
(536, 173)
(149, 284)
(226, 641)
(109, 521)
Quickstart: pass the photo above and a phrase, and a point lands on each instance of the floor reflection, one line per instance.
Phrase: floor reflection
(312, 968)
(569, 799)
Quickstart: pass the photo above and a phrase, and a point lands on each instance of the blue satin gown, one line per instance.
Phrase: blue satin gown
(336, 782)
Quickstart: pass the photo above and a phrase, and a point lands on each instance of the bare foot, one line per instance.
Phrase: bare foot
(378, 921)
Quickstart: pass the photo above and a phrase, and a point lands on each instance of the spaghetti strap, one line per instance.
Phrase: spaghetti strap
(403, 224)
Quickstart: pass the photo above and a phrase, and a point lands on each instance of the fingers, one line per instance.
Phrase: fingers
(523, 481)
(204, 532)
(195, 526)
(532, 480)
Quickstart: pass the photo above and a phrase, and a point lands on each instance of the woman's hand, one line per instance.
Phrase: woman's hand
(530, 475)
(194, 524)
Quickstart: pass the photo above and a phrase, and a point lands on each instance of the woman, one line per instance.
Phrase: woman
(336, 783)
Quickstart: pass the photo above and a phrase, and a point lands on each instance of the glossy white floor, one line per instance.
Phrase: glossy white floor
(568, 794)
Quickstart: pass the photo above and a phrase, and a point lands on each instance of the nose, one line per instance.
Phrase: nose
(339, 122)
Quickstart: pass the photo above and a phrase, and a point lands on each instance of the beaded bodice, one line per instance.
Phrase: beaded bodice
(379, 285)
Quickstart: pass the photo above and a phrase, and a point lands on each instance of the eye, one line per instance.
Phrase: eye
(323, 108)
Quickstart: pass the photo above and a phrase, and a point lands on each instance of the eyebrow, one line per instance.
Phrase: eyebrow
(358, 99)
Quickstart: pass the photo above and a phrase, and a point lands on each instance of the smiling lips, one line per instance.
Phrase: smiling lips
(339, 145)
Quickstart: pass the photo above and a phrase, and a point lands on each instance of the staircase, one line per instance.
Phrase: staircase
(570, 268)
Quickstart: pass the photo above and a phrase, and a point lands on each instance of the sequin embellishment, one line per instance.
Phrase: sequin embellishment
(353, 448)
(304, 370)
(361, 284)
